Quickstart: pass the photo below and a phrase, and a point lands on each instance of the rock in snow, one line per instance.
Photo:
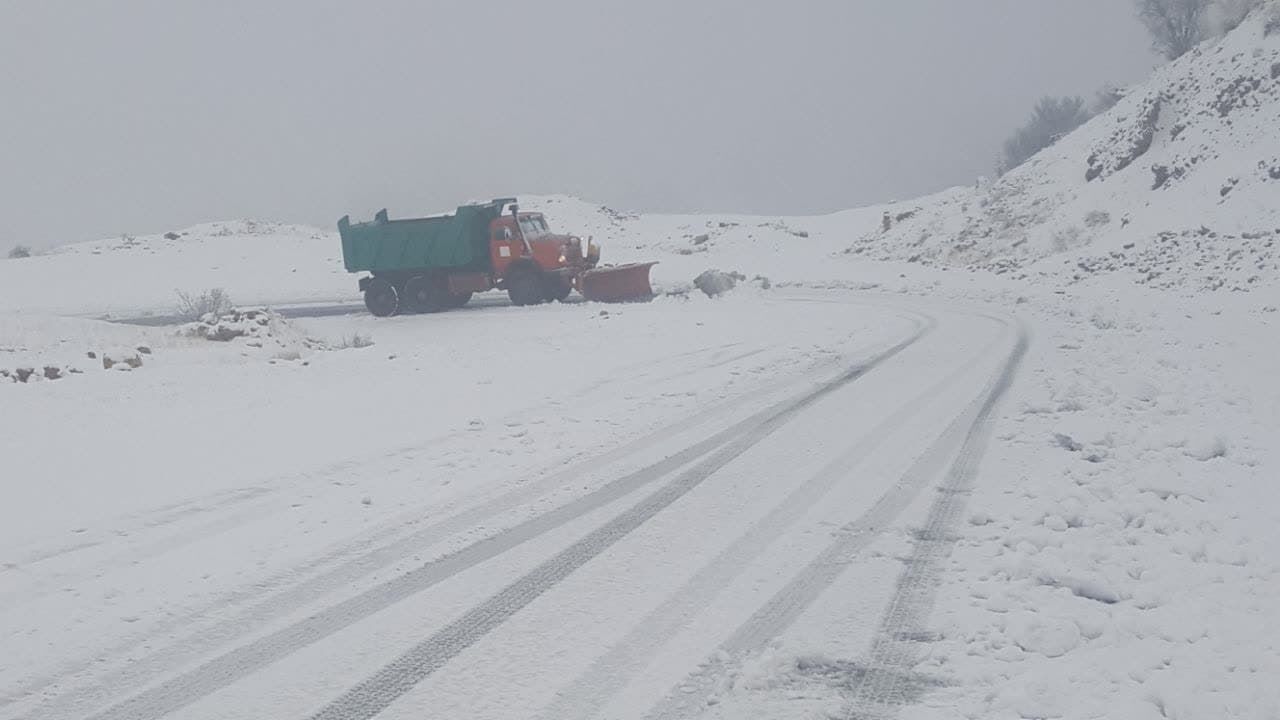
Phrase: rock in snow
(716, 282)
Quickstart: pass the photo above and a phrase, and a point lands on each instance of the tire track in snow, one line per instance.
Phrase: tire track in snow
(229, 667)
(44, 586)
(175, 513)
(968, 431)
(300, 583)
(586, 695)
(380, 690)
(887, 683)
(155, 518)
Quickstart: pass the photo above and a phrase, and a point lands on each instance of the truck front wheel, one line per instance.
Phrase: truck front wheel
(381, 298)
(557, 289)
(525, 288)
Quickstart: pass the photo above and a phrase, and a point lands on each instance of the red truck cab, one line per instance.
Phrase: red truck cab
(531, 262)
(531, 239)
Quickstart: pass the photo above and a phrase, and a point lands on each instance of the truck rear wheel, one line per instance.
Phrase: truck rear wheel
(525, 288)
(427, 293)
(459, 299)
(381, 298)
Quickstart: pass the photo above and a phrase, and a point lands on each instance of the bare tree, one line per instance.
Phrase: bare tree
(1106, 98)
(1053, 118)
(19, 251)
(1176, 26)
(1230, 13)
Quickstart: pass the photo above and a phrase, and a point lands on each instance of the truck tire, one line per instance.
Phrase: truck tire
(427, 293)
(460, 299)
(556, 289)
(381, 298)
(524, 287)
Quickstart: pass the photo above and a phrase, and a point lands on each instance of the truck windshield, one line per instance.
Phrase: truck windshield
(532, 228)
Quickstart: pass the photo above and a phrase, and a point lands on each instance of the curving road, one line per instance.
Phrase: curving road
(813, 512)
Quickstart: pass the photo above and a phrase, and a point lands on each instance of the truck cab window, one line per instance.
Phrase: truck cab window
(530, 228)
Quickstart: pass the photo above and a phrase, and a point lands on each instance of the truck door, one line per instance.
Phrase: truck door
(503, 246)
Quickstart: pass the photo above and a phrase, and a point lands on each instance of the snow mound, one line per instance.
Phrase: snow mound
(39, 366)
(35, 348)
(36, 374)
(1048, 636)
(1207, 448)
(717, 282)
(254, 328)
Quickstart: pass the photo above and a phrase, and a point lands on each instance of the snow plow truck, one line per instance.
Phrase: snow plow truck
(436, 263)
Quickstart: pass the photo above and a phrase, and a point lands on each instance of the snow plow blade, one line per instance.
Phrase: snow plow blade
(620, 283)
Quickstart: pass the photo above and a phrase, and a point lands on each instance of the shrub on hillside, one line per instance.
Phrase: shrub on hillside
(19, 251)
(1176, 26)
(1272, 26)
(354, 341)
(1053, 118)
(1230, 13)
(192, 306)
(1106, 98)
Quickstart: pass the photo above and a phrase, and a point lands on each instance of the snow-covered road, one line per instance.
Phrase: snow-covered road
(647, 521)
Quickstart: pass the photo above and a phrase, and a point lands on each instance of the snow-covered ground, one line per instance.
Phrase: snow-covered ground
(1115, 557)
(1012, 457)
(1126, 568)
(161, 520)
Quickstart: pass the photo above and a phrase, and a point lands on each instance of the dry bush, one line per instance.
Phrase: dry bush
(354, 340)
(192, 306)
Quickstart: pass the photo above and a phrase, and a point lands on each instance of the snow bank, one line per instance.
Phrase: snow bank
(259, 329)
(1118, 560)
(37, 348)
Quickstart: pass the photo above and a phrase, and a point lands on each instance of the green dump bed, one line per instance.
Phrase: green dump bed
(447, 241)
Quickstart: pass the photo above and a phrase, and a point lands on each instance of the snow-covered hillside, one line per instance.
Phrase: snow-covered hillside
(1176, 186)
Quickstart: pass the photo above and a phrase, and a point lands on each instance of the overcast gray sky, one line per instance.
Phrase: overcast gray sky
(133, 116)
